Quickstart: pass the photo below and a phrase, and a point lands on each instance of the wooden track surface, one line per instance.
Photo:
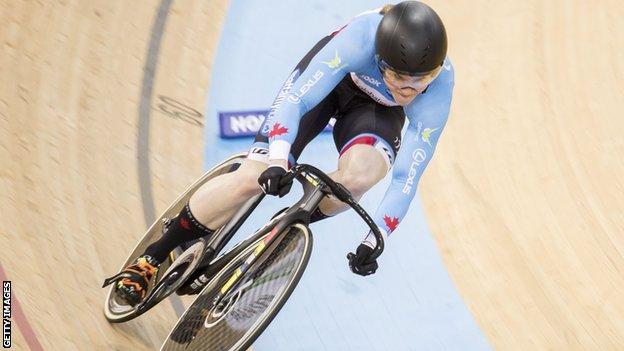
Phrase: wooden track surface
(524, 197)
(525, 194)
(72, 207)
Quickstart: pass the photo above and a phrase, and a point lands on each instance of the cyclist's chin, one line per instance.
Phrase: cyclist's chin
(403, 100)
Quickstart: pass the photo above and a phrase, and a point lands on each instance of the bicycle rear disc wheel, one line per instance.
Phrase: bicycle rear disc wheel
(239, 318)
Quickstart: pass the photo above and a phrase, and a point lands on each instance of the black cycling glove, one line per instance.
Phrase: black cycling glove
(360, 262)
(270, 179)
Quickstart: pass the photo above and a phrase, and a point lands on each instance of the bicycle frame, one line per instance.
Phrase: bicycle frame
(316, 186)
(298, 212)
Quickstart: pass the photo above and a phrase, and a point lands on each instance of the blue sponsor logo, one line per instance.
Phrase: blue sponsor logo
(244, 123)
(241, 124)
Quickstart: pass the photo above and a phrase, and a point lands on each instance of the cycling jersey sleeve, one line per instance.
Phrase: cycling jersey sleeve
(427, 117)
(346, 51)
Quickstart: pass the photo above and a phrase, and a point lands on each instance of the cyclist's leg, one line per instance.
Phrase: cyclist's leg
(368, 137)
(215, 202)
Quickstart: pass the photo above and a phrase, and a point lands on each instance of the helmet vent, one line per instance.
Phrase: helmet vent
(423, 58)
(403, 54)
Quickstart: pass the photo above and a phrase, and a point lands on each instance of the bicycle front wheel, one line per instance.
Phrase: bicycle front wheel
(235, 321)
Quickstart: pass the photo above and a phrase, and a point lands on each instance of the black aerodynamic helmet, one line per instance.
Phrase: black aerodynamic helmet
(411, 39)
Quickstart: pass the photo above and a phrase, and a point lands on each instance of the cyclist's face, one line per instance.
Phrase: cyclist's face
(405, 88)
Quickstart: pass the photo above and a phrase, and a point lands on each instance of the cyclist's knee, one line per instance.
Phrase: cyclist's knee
(358, 183)
(358, 179)
(361, 168)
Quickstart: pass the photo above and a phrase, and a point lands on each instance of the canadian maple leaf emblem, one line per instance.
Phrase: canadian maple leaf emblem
(184, 223)
(278, 129)
(391, 223)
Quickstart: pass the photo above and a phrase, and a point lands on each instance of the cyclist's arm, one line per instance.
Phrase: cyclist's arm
(344, 53)
(427, 118)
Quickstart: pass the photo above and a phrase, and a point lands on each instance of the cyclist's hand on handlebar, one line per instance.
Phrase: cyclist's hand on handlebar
(360, 262)
(270, 181)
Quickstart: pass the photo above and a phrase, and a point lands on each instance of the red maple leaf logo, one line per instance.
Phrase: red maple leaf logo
(277, 130)
(391, 223)
(184, 223)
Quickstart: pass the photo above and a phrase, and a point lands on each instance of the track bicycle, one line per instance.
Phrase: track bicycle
(246, 286)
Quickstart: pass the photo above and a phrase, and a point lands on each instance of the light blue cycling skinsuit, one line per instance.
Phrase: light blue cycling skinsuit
(351, 50)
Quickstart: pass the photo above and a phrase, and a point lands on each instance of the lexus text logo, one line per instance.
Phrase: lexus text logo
(418, 157)
(296, 96)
